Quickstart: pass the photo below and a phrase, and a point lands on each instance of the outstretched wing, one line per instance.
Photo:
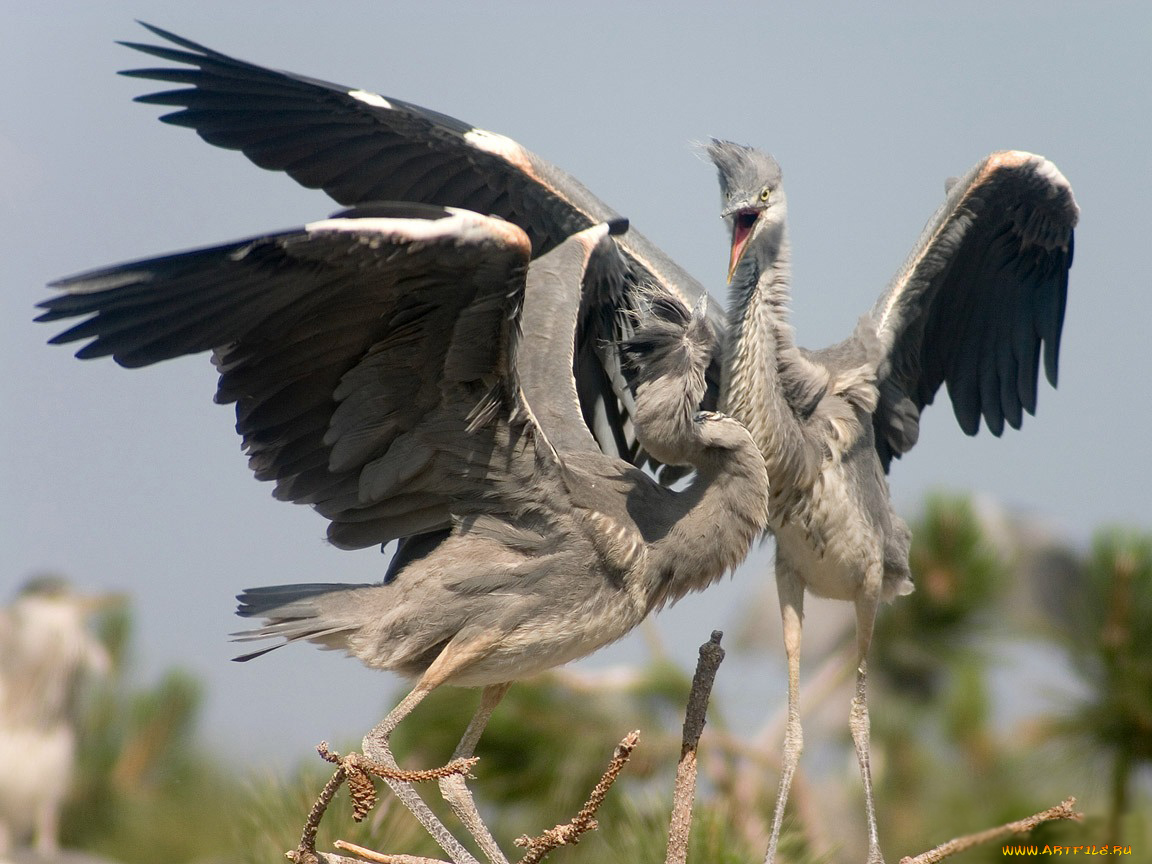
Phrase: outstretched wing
(983, 290)
(360, 147)
(368, 355)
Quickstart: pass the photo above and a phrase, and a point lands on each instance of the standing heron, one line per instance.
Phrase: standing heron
(977, 300)
(532, 547)
(47, 651)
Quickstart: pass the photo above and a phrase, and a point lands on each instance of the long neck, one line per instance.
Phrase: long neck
(719, 515)
(761, 340)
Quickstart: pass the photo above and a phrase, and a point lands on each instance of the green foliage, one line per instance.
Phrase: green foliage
(1108, 637)
(1105, 627)
(547, 745)
(145, 791)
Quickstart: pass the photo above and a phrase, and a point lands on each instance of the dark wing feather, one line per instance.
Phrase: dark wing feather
(978, 299)
(363, 353)
(557, 286)
(361, 147)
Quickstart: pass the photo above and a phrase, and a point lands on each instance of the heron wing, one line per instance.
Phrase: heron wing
(370, 356)
(983, 290)
(360, 147)
(559, 284)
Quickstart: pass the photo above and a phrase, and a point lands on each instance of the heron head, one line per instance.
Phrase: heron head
(753, 198)
(55, 589)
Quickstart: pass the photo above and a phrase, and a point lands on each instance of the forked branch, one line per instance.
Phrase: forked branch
(584, 821)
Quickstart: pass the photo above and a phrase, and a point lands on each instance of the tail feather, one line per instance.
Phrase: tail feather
(315, 611)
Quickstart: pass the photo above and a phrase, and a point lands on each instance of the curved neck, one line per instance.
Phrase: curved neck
(721, 512)
(761, 341)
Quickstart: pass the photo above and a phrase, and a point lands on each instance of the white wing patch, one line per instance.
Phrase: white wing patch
(461, 224)
(499, 145)
(369, 98)
(106, 283)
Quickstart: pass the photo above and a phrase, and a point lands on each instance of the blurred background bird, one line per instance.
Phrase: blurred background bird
(47, 654)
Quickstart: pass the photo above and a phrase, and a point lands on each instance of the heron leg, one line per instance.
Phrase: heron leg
(47, 841)
(858, 720)
(377, 748)
(452, 659)
(791, 591)
(455, 790)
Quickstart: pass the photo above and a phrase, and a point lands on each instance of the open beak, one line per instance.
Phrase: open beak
(743, 221)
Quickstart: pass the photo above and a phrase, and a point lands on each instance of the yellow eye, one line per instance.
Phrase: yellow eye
(765, 193)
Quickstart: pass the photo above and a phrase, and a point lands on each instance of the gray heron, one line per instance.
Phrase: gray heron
(979, 298)
(403, 369)
(47, 653)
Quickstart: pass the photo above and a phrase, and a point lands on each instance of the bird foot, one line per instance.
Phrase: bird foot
(357, 770)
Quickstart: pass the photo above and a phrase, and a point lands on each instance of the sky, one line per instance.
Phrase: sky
(134, 481)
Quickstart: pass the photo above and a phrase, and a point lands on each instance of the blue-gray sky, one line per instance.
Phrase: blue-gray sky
(134, 480)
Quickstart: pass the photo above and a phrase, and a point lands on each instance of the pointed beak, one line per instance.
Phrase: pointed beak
(743, 221)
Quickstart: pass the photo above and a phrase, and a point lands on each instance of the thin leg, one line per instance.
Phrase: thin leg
(455, 790)
(377, 748)
(452, 659)
(858, 720)
(47, 829)
(791, 591)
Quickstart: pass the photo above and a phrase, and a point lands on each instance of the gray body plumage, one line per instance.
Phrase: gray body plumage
(830, 421)
(979, 298)
(829, 505)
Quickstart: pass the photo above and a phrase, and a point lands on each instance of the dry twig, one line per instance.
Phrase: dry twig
(1063, 810)
(378, 857)
(584, 821)
(684, 792)
(355, 768)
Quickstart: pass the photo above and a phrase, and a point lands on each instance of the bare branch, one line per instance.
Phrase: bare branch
(355, 768)
(306, 852)
(378, 857)
(1063, 810)
(711, 655)
(584, 821)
